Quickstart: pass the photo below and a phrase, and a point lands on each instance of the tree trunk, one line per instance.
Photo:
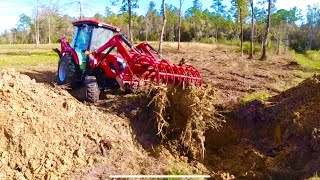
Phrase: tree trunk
(278, 46)
(179, 28)
(130, 21)
(80, 8)
(147, 28)
(266, 37)
(287, 40)
(49, 28)
(287, 43)
(37, 26)
(252, 30)
(241, 31)
(217, 32)
(163, 25)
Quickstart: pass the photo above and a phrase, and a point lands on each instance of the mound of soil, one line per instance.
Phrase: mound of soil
(45, 133)
(286, 129)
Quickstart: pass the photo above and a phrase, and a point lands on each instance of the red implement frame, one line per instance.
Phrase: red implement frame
(143, 66)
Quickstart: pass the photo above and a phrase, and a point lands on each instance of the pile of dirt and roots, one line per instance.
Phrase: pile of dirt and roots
(183, 115)
(285, 129)
(174, 117)
(45, 133)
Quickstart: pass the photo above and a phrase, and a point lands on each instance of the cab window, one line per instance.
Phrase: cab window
(100, 36)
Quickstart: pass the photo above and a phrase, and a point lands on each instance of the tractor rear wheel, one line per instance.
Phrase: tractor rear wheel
(68, 72)
(92, 89)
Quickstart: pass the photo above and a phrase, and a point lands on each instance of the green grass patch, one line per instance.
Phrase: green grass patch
(27, 47)
(177, 171)
(309, 66)
(246, 47)
(302, 75)
(262, 96)
(307, 63)
(313, 55)
(29, 60)
(17, 55)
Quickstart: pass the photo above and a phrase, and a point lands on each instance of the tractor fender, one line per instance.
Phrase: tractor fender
(73, 53)
(66, 48)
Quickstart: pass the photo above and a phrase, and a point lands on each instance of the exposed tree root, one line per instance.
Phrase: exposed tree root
(184, 114)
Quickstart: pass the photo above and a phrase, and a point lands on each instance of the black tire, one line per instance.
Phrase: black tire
(92, 89)
(68, 71)
(129, 90)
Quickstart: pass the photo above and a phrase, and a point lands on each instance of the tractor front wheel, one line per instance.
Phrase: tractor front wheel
(68, 72)
(92, 91)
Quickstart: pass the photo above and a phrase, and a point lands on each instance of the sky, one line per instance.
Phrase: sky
(11, 9)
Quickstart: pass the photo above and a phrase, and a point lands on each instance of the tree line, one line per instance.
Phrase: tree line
(245, 20)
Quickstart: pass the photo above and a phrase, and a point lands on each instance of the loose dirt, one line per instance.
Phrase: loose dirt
(286, 129)
(47, 134)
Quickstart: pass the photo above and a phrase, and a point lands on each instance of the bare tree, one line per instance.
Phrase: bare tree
(242, 6)
(130, 20)
(241, 29)
(48, 10)
(127, 5)
(252, 30)
(164, 20)
(49, 13)
(147, 27)
(179, 27)
(266, 37)
(37, 25)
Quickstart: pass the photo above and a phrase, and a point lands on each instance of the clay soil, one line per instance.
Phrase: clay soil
(47, 133)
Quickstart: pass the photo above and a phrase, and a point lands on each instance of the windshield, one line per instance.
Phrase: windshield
(100, 36)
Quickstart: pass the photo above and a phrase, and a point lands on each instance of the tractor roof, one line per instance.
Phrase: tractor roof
(96, 23)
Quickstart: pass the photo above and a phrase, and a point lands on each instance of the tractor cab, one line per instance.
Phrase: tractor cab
(89, 35)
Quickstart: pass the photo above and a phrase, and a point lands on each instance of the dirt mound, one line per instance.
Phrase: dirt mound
(45, 133)
(286, 128)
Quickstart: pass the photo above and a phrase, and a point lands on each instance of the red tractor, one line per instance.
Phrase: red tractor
(101, 58)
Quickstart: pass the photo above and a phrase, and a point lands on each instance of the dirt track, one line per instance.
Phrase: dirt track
(74, 140)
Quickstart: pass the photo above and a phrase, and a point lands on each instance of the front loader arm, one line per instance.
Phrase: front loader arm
(115, 41)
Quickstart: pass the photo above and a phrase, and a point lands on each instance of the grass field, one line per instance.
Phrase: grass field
(27, 55)
(21, 55)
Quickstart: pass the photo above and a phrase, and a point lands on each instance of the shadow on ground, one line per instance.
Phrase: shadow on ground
(133, 107)
(45, 76)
